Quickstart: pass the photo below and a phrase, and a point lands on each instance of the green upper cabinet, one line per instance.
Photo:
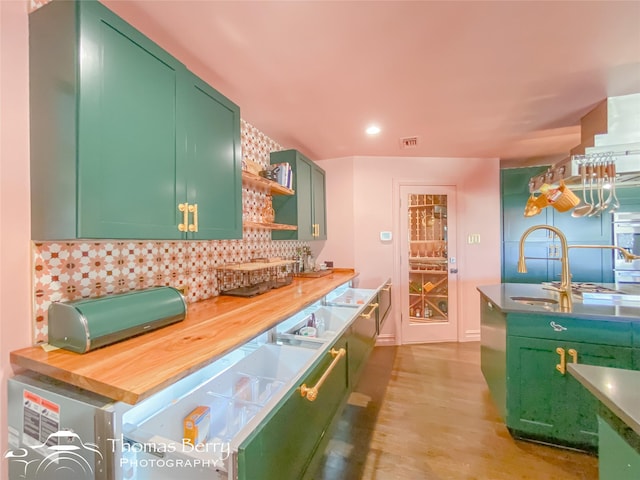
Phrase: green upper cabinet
(629, 197)
(114, 144)
(212, 165)
(307, 208)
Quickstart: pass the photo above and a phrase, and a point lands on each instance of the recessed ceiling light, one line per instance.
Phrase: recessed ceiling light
(373, 130)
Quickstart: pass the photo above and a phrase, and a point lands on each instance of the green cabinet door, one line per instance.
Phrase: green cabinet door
(514, 184)
(536, 262)
(126, 131)
(210, 125)
(362, 338)
(283, 446)
(587, 265)
(120, 131)
(103, 123)
(545, 404)
(318, 187)
(493, 352)
(306, 208)
(629, 198)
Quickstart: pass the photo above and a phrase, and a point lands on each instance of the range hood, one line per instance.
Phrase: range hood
(610, 133)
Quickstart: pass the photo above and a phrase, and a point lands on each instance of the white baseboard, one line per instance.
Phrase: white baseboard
(471, 336)
(385, 340)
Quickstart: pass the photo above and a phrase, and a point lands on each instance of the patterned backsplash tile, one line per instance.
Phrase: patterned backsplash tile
(71, 270)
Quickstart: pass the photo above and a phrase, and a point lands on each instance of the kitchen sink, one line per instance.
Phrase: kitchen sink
(536, 301)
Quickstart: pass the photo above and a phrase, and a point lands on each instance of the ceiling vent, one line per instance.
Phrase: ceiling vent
(409, 142)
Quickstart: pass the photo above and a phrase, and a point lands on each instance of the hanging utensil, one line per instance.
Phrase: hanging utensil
(585, 209)
(599, 175)
(616, 204)
(607, 182)
(590, 172)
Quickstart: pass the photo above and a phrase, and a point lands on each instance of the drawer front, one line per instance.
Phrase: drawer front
(384, 304)
(570, 329)
(635, 326)
(282, 447)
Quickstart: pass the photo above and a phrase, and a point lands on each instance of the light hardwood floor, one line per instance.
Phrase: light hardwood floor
(423, 412)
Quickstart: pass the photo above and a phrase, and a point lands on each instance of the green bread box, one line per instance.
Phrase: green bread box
(84, 325)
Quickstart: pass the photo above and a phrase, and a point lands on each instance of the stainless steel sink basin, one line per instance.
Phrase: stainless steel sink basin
(536, 301)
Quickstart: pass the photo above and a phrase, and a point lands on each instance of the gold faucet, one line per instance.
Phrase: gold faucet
(566, 303)
(628, 256)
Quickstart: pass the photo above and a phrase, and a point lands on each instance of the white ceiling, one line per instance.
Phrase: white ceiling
(491, 79)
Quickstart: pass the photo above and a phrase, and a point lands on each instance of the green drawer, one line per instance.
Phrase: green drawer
(282, 447)
(553, 327)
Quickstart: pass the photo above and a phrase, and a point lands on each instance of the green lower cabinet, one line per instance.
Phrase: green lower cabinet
(493, 353)
(283, 446)
(547, 405)
(618, 450)
(361, 341)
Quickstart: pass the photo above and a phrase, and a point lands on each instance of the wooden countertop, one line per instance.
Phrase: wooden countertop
(134, 369)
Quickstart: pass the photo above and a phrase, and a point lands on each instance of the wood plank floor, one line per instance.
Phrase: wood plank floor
(423, 412)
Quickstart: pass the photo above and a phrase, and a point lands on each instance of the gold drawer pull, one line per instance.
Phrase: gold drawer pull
(312, 392)
(562, 366)
(194, 209)
(184, 208)
(574, 355)
(386, 288)
(370, 312)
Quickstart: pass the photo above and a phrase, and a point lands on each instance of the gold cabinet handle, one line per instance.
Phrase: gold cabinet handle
(184, 208)
(386, 288)
(562, 366)
(574, 355)
(194, 209)
(312, 392)
(370, 312)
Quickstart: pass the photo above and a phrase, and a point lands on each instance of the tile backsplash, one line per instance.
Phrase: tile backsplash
(69, 270)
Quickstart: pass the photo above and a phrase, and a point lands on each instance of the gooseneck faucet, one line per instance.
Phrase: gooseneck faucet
(566, 303)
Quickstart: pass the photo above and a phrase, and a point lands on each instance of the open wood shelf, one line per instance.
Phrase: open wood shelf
(269, 226)
(275, 187)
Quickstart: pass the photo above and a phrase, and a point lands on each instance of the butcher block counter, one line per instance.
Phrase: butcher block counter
(134, 369)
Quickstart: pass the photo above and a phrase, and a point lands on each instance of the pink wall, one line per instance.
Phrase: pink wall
(15, 283)
(360, 199)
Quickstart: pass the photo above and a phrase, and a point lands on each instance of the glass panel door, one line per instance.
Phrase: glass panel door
(428, 276)
(430, 266)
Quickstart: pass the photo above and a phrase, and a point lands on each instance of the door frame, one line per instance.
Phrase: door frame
(397, 260)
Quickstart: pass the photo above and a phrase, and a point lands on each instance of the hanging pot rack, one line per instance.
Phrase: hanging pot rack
(627, 168)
